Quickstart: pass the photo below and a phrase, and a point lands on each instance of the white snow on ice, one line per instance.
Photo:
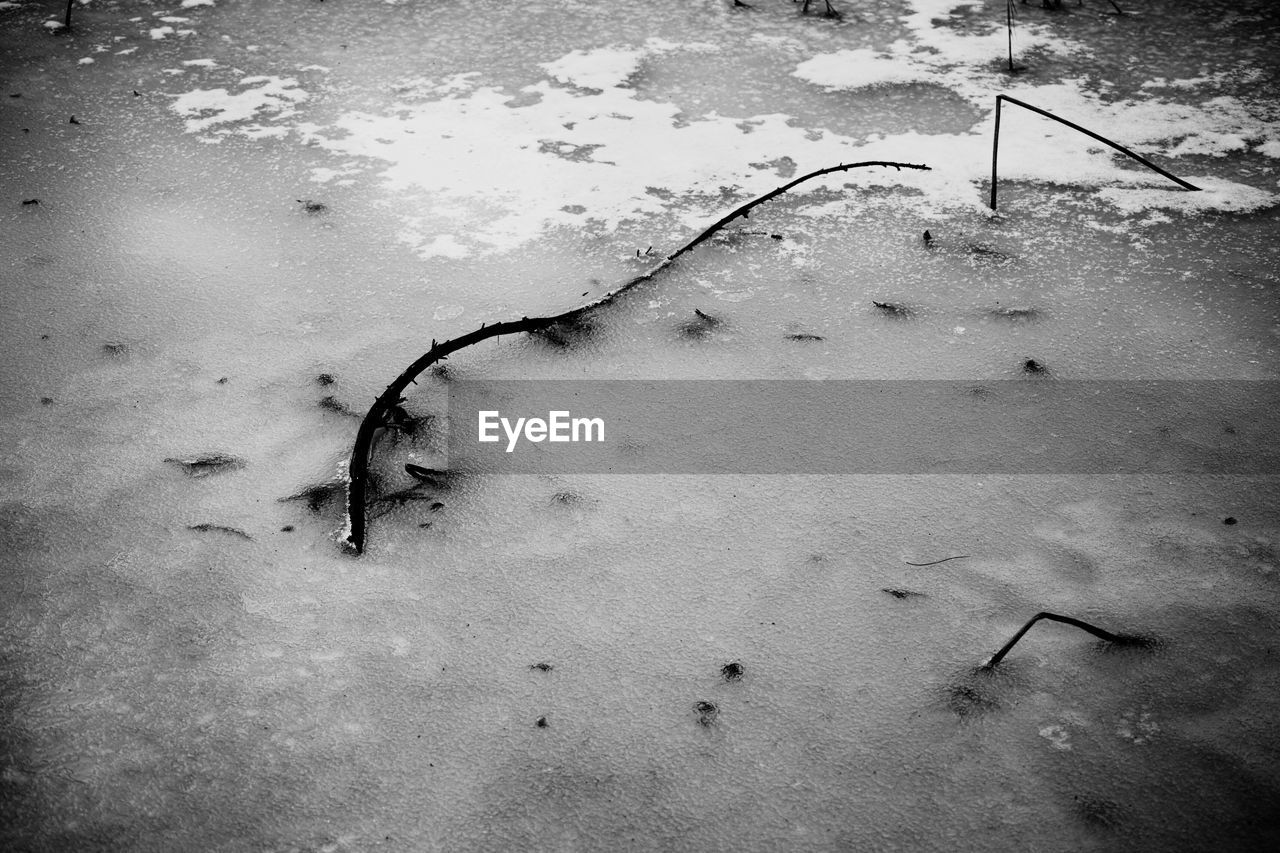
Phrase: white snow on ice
(263, 96)
(474, 173)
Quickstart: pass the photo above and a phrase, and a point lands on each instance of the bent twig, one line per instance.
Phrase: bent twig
(995, 146)
(378, 414)
(1120, 639)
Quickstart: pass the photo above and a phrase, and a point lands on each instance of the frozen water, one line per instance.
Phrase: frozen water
(232, 260)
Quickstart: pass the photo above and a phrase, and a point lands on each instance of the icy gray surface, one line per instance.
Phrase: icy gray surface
(190, 662)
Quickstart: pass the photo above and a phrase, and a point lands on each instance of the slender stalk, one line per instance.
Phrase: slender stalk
(68, 19)
(378, 414)
(1084, 626)
(995, 153)
(1008, 11)
(995, 145)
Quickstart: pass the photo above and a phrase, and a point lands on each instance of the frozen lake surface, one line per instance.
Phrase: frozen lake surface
(263, 212)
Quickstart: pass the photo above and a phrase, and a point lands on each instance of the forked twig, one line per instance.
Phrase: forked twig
(1119, 639)
(377, 415)
(995, 146)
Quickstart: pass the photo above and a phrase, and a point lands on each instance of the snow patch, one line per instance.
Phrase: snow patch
(856, 69)
(601, 68)
(205, 109)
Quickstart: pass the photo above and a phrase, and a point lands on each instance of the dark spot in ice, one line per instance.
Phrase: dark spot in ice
(223, 381)
(210, 463)
(1229, 520)
(288, 528)
(803, 337)
(973, 693)
(1097, 811)
(29, 201)
(700, 326)
(73, 120)
(115, 349)
(902, 593)
(566, 498)
(218, 528)
(313, 207)
(332, 404)
(1016, 314)
(732, 671)
(574, 208)
(442, 372)
(570, 151)
(986, 254)
(46, 401)
(325, 379)
(541, 666)
(567, 333)
(319, 496)
(542, 723)
(44, 337)
(1229, 429)
(436, 478)
(927, 238)
(1034, 368)
(896, 310)
(436, 506)
(707, 712)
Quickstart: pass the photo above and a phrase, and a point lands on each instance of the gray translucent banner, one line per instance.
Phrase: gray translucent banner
(1032, 426)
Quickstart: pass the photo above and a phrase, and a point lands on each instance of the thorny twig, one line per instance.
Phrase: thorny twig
(377, 416)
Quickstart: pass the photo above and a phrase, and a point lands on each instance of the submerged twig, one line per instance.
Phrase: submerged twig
(995, 146)
(1119, 639)
(205, 527)
(376, 417)
(936, 562)
(210, 463)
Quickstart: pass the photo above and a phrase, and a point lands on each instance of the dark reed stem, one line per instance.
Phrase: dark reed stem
(1008, 11)
(1084, 626)
(995, 146)
(377, 415)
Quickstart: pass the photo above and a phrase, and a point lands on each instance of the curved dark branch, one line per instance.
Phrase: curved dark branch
(1120, 639)
(376, 418)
